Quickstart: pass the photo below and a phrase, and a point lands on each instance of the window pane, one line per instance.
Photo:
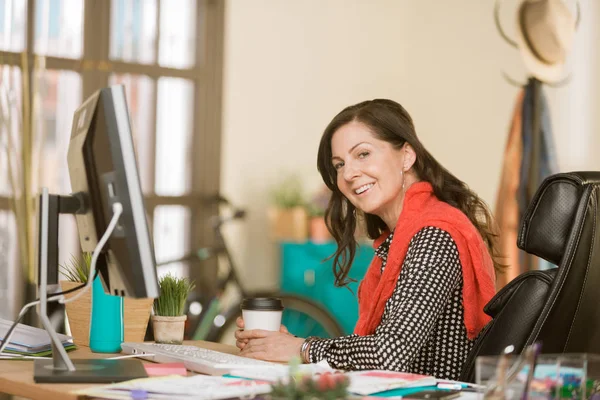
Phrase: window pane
(173, 136)
(171, 237)
(140, 92)
(10, 135)
(133, 30)
(58, 97)
(10, 289)
(59, 28)
(13, 15)
(177, 46)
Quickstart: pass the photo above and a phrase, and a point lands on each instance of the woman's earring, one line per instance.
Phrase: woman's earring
(403, 181)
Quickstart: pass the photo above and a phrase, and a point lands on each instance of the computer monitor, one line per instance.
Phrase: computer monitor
(104, 174)
(102, 167)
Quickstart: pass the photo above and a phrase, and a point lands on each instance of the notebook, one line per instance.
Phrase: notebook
(30, 340)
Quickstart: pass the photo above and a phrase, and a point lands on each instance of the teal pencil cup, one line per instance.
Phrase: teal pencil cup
(106, 323)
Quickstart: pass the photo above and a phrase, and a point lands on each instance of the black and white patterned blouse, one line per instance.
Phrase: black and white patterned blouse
(422, 328)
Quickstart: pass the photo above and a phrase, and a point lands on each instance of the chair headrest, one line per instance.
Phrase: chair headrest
(557, 206)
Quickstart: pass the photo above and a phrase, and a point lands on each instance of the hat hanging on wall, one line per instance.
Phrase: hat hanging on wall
(545, 31)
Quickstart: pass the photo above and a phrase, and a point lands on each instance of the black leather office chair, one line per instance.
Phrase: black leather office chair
(559, 307)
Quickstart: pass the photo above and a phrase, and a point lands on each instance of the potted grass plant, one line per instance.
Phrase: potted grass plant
(136, 312)
(168, 320)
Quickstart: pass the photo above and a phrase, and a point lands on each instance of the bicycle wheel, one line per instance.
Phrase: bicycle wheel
(301, 316)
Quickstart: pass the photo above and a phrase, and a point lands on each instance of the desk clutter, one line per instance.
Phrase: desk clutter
(28, 341)
(294, 381)
(559, 376)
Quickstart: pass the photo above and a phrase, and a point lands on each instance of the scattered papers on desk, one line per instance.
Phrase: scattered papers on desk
(273, 373)
(375, 381)
(197, 387)
(31, 341)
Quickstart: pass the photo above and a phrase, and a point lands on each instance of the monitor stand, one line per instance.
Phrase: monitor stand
(61, 369)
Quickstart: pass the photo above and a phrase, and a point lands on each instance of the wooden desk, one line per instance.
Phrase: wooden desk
(16, 377)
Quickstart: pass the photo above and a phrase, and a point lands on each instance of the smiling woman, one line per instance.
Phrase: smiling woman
(421, 300)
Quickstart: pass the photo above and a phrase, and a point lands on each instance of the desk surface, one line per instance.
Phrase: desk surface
(16, 377)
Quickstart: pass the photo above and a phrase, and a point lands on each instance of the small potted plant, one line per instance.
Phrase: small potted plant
(316, 212)
(168, 320)
(287, 215)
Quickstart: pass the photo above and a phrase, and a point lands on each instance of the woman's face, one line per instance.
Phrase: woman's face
(369, 170)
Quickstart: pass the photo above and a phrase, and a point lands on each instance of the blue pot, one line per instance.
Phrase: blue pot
(106, 324)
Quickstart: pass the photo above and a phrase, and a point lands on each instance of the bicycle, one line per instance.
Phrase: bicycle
(213, 320)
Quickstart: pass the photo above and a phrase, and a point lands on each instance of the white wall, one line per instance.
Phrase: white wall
(290, 66)
(575, 106)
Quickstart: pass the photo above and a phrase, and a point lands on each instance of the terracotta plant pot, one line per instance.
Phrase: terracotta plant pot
(288, 224)
(168, 330)
(318, 230)
(78, 314)
(136, 315)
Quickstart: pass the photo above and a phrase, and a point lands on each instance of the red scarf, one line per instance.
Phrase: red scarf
(421, 208)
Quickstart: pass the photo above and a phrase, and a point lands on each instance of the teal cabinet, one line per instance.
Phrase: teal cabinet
(306, 271)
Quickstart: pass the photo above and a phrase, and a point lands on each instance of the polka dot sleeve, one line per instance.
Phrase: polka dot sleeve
(426, 299)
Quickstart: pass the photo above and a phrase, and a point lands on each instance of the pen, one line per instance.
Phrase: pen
(456, 386)
(450, 386)
(138, 394)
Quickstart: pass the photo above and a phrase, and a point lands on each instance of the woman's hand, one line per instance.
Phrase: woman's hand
(240, 343)
(267, 345)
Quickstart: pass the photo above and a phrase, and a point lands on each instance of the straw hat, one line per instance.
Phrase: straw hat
(545, 30)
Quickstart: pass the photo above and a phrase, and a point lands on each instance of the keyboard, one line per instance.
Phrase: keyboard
(204, 361)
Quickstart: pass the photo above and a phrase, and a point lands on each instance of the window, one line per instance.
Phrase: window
(59, 96)
(173, 136)
(139, 90)
(170, 225)
(12, 24)
(59, 27)
(10, 140)
(9, 295)
(178, 34)
(133, 31)
(160, 53)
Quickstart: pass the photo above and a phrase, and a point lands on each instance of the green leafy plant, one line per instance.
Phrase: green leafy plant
(303, 387)
(173, 293)
(288, 193)
(77, 269)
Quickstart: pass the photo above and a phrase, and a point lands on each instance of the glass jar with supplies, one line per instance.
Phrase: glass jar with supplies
(549, 376)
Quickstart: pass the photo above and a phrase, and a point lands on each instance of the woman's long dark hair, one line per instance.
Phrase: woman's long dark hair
(390, 122)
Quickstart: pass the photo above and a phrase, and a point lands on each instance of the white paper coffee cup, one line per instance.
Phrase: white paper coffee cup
(262, 313)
